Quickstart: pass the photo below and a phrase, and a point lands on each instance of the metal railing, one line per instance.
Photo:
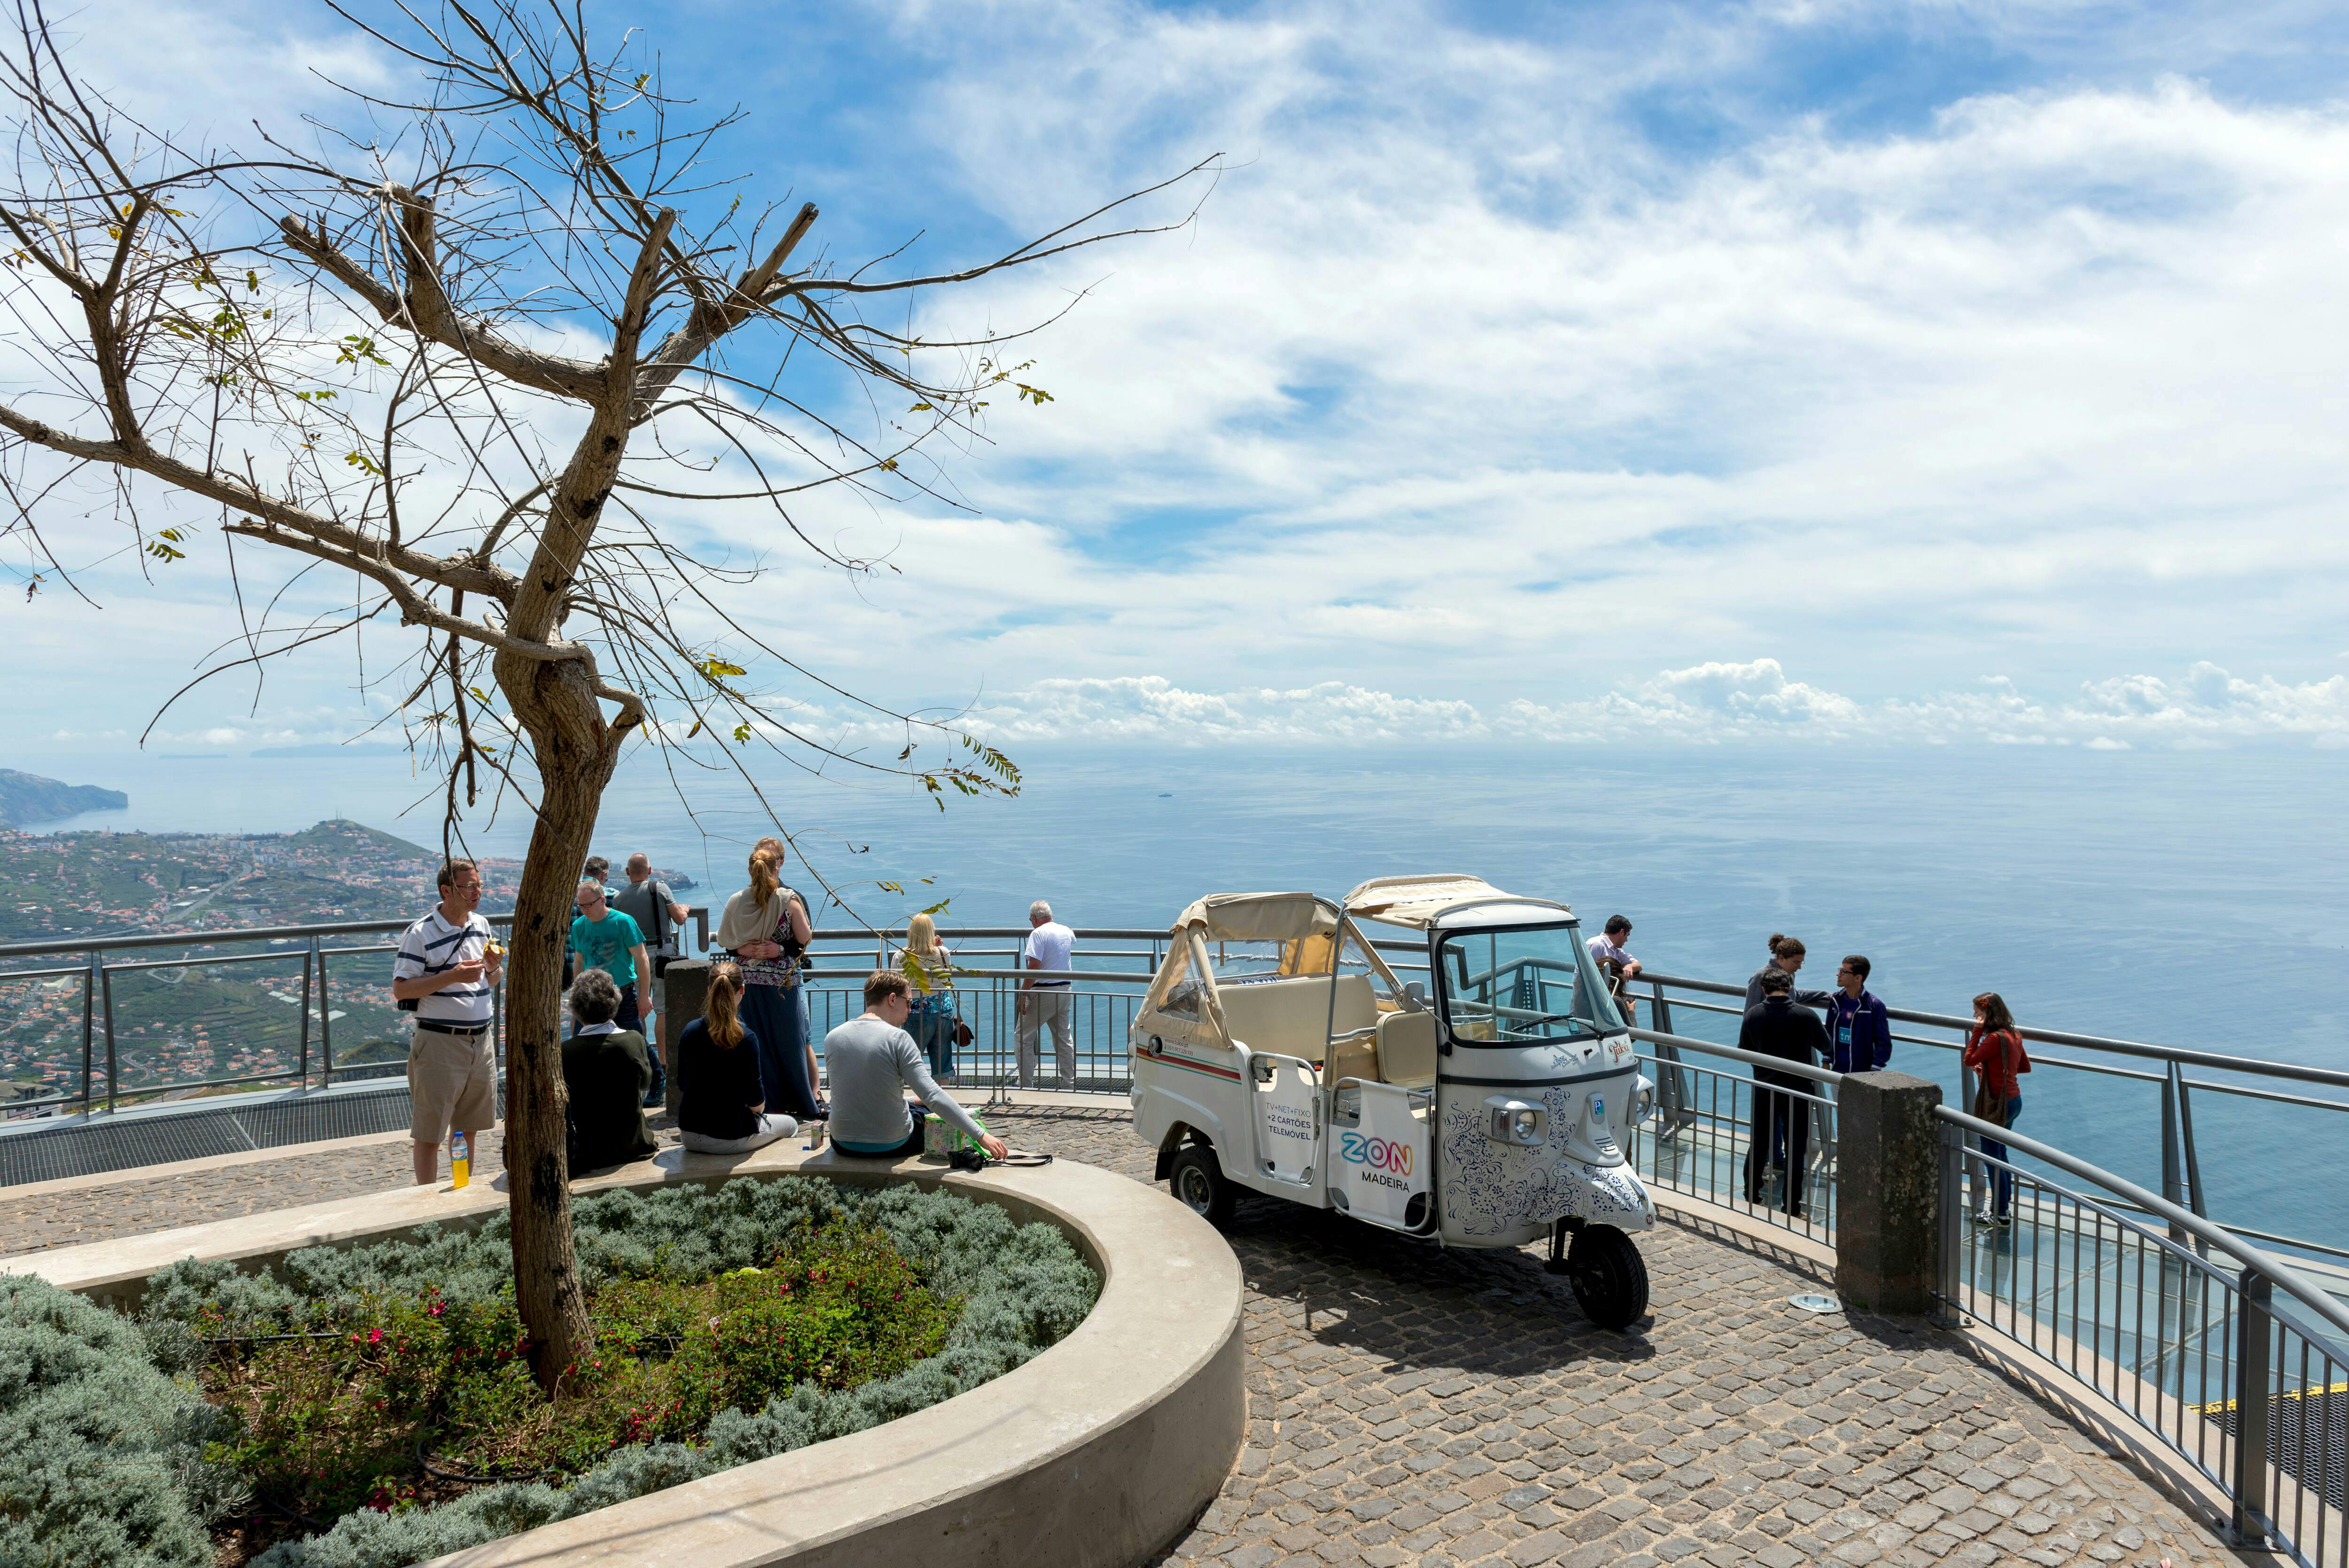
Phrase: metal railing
(1710, 1121)
(2177, 1074)
(2229, 1357)
(1117, 966)
(100, 1076)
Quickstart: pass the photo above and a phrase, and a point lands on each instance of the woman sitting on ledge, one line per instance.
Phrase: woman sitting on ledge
(722, 1107)
(871, 1059)
(605, 1073)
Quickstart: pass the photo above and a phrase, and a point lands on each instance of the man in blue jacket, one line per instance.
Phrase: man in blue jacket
(1859, 1034)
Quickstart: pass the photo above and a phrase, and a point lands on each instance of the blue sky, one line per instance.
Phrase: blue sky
(1946, 373)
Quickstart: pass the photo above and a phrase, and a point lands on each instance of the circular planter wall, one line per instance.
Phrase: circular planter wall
(1092, 1455)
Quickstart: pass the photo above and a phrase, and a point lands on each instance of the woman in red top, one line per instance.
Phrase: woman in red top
(1995, 1050)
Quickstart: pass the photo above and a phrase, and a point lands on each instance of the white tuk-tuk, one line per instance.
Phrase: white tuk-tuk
(1277, 1051)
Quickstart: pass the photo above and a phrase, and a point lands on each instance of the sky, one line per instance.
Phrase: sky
(1769, 373)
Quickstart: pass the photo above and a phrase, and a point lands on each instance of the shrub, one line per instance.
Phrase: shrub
(774, 1378)
(105, 1449)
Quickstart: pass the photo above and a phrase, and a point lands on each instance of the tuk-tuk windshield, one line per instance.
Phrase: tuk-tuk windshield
(1525, 986)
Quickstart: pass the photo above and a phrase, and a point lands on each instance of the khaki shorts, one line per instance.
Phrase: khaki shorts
(451, 1082)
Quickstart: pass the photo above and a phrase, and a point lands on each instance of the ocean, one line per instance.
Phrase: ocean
(2196, 899)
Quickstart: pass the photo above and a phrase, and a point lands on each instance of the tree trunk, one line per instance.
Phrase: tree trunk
(575, 752)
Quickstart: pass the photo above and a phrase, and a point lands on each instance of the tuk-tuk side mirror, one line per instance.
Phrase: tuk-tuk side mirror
(1415, 993)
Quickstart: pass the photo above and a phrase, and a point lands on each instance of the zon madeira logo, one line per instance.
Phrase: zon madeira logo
(1383, 1161)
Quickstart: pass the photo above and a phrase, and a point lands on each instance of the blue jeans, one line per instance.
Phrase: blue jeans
(2002, 1178)
(933, 1029)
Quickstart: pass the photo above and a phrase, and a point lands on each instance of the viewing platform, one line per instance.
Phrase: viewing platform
(2073, 1395)
(1408, 1405)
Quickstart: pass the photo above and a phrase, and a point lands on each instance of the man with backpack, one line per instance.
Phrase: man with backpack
(646, 899)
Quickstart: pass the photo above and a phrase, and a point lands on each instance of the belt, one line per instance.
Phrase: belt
(464, 1031)
(1052, 986)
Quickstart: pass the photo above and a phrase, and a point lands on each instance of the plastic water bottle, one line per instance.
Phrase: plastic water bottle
(460, 1158)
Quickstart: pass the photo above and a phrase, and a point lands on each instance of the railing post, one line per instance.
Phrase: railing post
(1973, 1168)
(303, 1049)
(1671, 1088)
(2173, 1184)
(325, 1006)
(1950, 1311)
(2251, 1489)
(309, 963)
(2185, 1141)
(89, 1021)
(105, 995)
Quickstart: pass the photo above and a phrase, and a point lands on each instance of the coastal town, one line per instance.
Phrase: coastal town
(177, 1026)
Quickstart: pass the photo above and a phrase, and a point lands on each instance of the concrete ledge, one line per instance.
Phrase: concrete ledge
(1099, 1451)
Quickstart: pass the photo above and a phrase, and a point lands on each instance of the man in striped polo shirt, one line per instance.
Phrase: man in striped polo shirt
(448, 968)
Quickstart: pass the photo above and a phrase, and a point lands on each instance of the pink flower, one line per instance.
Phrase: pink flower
(375, 1336)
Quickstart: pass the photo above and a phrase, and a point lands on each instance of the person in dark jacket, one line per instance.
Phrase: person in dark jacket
(1778, 1027)
(1785, 958)
(605, 1071)
(1859, 1031)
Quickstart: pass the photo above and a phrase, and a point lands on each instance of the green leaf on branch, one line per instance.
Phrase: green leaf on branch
(742, 733)
(719, 669)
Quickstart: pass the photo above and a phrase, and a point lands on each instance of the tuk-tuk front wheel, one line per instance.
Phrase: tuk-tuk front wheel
(1197, 1179)
(1609, 1275)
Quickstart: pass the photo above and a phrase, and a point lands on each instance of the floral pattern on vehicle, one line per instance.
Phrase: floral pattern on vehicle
(1490, 1189)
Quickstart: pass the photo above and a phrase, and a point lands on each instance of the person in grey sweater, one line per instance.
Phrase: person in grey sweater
(871, 1060)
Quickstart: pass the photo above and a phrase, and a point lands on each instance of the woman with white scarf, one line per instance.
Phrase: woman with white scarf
(765, 927)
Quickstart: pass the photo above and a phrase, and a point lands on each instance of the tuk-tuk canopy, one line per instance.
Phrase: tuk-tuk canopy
(1419, 901)
(1183, 1001)
(1259, 916)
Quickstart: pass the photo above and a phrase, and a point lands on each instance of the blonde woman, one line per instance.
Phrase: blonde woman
(765, 928)
(721, 1100)
(928, 969)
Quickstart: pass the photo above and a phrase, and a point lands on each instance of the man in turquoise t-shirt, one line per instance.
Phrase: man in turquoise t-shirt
(607, 940)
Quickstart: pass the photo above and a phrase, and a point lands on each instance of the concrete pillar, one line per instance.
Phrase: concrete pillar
(1886, 1211)
(685, 990)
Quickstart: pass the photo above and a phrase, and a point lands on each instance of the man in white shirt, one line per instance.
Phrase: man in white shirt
(1608, 949)
(448, 967)
(1046, 1002)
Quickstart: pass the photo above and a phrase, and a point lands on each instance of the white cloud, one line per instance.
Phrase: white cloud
(1706, 704)
(1465, 387)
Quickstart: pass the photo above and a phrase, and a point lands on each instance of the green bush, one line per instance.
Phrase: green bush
(105, 1449)
(652, 1260)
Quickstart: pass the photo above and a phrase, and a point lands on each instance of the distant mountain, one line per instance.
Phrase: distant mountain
(26, 799)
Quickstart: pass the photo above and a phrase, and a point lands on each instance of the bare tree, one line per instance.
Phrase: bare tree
(475, 365)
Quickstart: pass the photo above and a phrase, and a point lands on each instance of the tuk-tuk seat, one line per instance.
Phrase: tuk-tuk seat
(1293, 1017)
(1407, 1049)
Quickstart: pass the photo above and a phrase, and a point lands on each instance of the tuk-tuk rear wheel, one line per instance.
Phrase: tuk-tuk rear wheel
(1609, 1275)
(1197, 1179)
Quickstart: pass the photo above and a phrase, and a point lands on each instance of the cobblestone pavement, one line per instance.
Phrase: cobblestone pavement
(1412, 1406)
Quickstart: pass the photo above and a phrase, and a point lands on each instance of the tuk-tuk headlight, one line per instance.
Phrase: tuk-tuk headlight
(1515, 1121)
(1643, 1102)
